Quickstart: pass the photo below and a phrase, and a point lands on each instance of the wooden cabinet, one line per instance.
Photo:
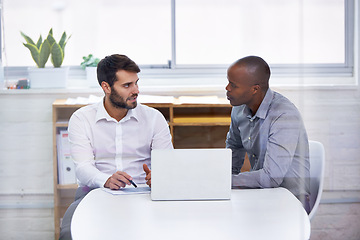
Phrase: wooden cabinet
(63, 194)
(199, 125)
(191, 126)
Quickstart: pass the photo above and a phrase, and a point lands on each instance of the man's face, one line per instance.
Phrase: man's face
(125, 90)
(240, 87)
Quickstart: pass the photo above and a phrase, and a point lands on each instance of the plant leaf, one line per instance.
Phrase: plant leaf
(62, 40)
(89, 61)
(27, 38)
(51, 39)
(57, 55)
(63, 47)
(44, 53)
(39, 42)
(35, 53)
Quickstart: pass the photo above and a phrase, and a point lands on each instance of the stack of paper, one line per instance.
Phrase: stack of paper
(155, 99)
(197, 100)
(141, 189)
(82, 100)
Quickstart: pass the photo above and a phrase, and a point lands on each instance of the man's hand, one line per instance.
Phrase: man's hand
(148, 174)
(118, 180)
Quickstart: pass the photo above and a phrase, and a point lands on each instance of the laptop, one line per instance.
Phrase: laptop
(191, 174)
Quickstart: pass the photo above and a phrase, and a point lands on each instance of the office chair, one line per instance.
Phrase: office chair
(317, 168)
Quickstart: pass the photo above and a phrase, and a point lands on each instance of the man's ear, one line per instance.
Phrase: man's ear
(106, 87)
(256, 88)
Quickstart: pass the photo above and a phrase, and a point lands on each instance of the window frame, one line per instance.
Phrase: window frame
(345, 69)
(173, 70)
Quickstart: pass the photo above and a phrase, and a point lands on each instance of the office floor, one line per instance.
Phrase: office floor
(336, 221)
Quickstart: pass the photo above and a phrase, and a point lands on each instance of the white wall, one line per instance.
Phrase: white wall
(331, 116)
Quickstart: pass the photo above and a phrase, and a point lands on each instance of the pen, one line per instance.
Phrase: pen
(132, 182)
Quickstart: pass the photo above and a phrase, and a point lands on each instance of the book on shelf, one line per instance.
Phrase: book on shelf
(66, 166)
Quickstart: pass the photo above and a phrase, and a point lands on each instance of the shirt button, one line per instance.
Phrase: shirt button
(249, 138)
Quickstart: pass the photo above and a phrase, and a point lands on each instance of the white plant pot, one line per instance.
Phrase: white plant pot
(48, 77)
(91, 77)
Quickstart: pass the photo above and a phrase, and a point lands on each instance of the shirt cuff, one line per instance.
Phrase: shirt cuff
(101, 179)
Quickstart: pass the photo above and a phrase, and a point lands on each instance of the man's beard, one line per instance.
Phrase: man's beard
(119, 102)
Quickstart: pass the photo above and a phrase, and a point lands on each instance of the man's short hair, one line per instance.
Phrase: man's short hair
(108, 66)
(259, 68)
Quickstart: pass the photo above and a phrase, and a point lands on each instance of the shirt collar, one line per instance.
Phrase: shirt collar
(265, 104)
(132, 113)
(103, 114)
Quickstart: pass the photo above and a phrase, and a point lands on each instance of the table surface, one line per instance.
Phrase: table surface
(250, 214)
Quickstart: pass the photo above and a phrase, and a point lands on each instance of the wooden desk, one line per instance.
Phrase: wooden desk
(250, 214)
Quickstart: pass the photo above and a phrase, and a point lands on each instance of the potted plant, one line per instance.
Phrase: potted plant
(90, 65)
(42, 77)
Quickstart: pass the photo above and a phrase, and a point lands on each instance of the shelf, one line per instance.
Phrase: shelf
(67, 186)
(202, 121)
(191, 136)
(62, 103)
(62, 124)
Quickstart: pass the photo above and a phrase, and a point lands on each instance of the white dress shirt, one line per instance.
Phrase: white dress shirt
(100, 145)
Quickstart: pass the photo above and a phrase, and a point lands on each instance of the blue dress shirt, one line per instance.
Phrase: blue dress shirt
(276, 142)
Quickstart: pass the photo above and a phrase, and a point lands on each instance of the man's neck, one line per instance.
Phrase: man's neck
(114, 112)
(256, 103)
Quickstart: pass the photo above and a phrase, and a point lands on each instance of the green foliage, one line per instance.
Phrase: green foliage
(89, 61)
(41, 51)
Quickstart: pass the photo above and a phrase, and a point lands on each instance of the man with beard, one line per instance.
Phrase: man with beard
(111, 141)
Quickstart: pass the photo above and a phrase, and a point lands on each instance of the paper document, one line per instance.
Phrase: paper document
(128, 190)
(197, 100)
(81, 100)
(155, 99)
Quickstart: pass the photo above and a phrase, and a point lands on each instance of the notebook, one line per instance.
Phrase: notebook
(190, 174)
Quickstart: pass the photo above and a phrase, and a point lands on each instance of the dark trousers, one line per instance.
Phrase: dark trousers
(305, 200)
(65, 231)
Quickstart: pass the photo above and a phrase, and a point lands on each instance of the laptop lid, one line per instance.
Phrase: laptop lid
(190, 174)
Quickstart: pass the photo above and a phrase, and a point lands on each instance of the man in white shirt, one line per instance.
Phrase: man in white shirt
(111, 141)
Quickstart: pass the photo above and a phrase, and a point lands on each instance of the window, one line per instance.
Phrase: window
(282, 31)
(315, 36)
(140, 29)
